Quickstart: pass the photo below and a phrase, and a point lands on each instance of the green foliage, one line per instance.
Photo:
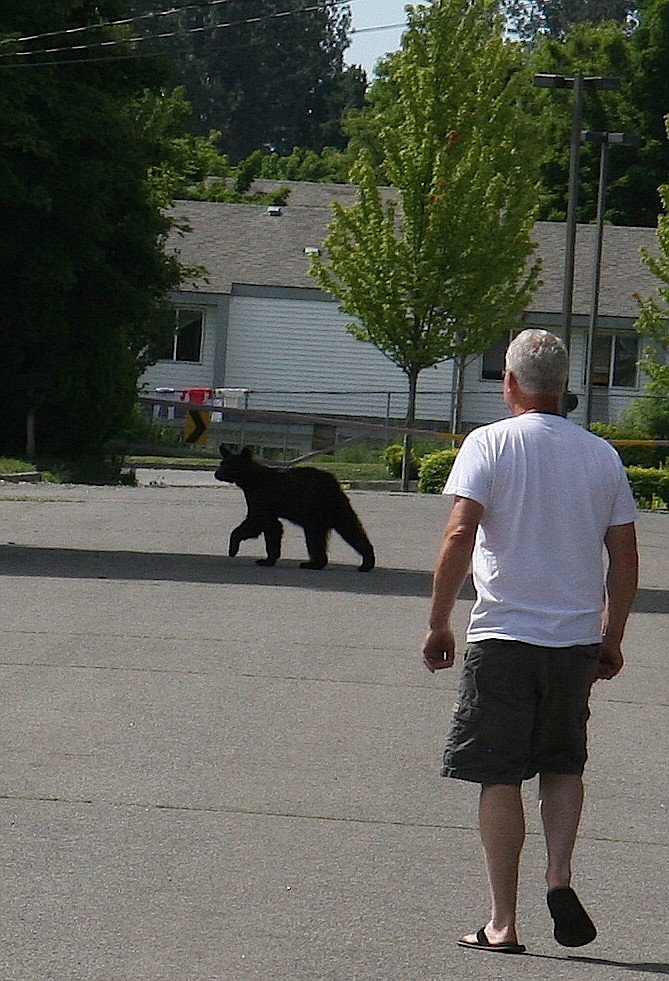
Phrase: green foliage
(555, 18)
(434, 470)
(627, 431)
(604, 49)
(649, 413)
(82, 264)
(302, 164)
(650, 487)
(392, 457)
(653, 320)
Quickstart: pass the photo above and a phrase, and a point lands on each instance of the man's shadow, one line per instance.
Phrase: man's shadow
(642, 967)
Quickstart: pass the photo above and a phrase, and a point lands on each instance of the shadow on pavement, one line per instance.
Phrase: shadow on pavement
(74, 563)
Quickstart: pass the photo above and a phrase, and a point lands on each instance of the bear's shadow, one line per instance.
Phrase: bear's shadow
(66, 563)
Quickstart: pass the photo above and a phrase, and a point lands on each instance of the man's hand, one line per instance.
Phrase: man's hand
(439, 649)
(610, 661)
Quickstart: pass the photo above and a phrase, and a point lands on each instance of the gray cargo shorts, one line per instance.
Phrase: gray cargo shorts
(521, 710)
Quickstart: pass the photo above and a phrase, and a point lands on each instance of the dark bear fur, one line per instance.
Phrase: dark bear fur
(306, 496)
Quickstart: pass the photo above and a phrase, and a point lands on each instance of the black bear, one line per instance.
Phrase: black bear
(306, 496)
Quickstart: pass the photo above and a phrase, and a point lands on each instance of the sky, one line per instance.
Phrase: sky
(368, 46)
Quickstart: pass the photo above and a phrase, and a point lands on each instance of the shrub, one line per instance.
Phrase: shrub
(649, 413)
(392, 457)
(649, 486)
(434, 469)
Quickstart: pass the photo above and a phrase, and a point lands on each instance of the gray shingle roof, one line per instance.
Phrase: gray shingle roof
(243, 244)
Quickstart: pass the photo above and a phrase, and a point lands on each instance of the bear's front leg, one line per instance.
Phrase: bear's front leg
(247, 529)
(273, 531)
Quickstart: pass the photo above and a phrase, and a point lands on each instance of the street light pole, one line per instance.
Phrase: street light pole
(572, 205)
(605, 140)
(578, 83)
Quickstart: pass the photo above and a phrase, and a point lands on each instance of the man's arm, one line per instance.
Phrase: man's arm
(621, 585)
(452, 566)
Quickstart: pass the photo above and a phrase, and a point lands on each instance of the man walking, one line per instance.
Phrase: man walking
(538, 501)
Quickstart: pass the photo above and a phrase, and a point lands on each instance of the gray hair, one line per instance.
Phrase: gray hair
(539, 362)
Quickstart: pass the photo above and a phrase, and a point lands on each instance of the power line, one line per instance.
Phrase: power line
(141, 39)
(153, 15)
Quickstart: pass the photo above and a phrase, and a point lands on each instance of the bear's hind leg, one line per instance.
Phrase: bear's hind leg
(273, 532)
(350, 528)
(316, 537)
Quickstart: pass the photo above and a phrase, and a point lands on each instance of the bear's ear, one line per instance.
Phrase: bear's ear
(246, 453)
(224, 451)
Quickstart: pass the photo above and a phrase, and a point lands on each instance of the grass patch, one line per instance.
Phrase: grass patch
(11, 465)
(348, 472)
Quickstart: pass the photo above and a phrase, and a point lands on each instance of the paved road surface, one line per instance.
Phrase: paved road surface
(216, 771)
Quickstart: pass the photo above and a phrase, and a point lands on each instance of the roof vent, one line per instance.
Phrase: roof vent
(274, 210)
(311, 250)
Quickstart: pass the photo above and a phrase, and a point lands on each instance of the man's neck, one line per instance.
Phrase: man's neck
(547, 405)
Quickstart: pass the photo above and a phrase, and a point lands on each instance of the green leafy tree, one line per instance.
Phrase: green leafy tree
(443, 270)
(82, 266)
(653, 319)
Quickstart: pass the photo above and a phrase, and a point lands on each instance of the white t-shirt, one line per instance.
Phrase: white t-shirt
(550, 490)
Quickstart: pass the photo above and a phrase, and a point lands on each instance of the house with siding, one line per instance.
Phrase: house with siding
(256, 322)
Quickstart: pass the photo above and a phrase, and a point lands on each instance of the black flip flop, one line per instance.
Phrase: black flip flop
(482, 943)
(573, 926)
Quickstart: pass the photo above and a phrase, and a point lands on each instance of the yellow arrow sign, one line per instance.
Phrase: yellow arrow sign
(196, 425)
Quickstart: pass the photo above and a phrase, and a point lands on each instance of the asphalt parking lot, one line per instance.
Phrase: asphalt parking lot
(212, 770)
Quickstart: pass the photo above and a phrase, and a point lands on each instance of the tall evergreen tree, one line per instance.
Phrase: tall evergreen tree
(266, 74)
(649, 94)
(528, 19)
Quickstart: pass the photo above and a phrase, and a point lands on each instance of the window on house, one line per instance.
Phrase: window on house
(492, 362)
(187, 330)
(614, 363)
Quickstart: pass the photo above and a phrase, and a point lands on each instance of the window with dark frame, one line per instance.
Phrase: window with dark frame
(615, 361)
(188, 330)
(492, 360)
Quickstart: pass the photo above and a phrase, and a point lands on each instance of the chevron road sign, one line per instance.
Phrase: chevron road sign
(195, 428)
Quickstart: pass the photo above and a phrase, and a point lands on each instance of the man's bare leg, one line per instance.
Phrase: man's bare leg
(561, 803)
(502, 824)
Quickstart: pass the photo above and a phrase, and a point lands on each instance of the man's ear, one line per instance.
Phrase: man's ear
(246, 453)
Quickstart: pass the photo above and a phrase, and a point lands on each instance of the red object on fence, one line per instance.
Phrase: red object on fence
(196, 395)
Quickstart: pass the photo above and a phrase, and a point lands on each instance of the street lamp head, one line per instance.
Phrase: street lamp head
(612, 139)
(625, 139)
(603, 82)
(546, 80)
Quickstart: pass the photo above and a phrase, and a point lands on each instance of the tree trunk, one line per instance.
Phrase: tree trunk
(409, 422)
(458, 390)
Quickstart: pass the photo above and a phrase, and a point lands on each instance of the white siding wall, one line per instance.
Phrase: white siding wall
(291, 353)
(186, 374)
